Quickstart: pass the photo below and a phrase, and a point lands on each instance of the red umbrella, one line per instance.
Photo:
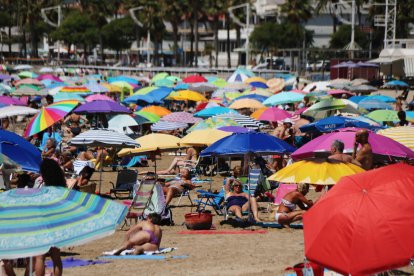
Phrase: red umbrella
(194, 79)
(364, 224)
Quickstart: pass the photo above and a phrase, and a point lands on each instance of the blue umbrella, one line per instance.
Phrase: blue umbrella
(256, 97)
(259, 84)
(62, 96)
(383, 98)
(248, 143)
(396, 83)
(212, 111)
(182, 86)
(146, 98)
(283, 98)
(19, 151)
(369, 103)
(123, 78)
(332, 123)
(357, 99)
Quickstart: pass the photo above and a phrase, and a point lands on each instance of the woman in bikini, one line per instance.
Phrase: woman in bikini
(286, 212)
(189, 159)
(176, 187)
(144, 236)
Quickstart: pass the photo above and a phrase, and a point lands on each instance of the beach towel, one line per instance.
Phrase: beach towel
(222, 232)
(145, 257)
(296, 225)
(147, 253)
(72, 262)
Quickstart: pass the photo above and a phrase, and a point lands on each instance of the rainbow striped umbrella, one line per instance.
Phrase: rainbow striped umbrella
(48, 116)
(75, 89)
(34, 220)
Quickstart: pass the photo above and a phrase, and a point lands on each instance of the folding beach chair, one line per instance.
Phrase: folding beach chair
(141, 200)
(210, 199)
(125, 182)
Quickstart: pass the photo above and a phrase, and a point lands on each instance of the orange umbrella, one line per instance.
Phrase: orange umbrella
(255, 79)
(258, 113)
(157, 110)
(275, 85)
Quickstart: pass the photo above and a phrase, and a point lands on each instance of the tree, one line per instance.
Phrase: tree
(119, 34)
(342, 37)
(327, 4)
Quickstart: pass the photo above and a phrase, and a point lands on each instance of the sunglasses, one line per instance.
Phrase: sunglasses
(236, 185)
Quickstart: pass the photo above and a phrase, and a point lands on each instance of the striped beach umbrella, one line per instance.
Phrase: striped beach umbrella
(75, 89)
(403, 135)
(34, 220)
(213, 122)
(48, 116)
(103, 138)
(166, 126)
(243, 120)
(151, 117)
(184, 117)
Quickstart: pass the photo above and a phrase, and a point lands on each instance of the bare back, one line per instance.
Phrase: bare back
(365, 157)
(341, 157)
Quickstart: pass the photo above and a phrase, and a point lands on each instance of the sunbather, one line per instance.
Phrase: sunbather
(144, 236)
(189, 159)
(176, 187)
(238, 201)
(286, 212)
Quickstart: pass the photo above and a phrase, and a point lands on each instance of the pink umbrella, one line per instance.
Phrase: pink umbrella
(381, 145)
(29, 81)
(340, 92)
(11, 101)
(274, 114)
(184, 117)
(300, 111)
(98, 97)
(49, 77)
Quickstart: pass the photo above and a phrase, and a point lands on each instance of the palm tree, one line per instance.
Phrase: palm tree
(327, 4)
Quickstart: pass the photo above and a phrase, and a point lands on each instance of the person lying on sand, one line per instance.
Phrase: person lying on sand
(144, 236)
(286, 212)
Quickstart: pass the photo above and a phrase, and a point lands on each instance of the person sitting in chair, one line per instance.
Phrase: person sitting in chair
(286, 212)
(144, 236)
(190, 158)
(176, 187)
(238, 201)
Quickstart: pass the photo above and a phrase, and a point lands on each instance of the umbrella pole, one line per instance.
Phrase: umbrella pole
(31, 266)
(248, 187)
(100, 173)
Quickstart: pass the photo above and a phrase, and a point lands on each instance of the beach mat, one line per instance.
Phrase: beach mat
(72, 262)
(144, 257)
(278, 225)
(221, 232)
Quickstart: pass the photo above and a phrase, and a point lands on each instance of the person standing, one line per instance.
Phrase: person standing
(364, 155)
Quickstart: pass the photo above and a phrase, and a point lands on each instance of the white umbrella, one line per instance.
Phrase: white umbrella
(13, 110)
(46, 70)
(58, 70)
(243, 120)
(317, 86)
(121, 123)
(23, 67)
(166, 126)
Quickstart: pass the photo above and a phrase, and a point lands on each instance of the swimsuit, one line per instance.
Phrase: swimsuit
(236, 201)
(153, 238)
(291, 206)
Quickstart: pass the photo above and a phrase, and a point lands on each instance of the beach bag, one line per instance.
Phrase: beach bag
(307, 269)
(167, 217)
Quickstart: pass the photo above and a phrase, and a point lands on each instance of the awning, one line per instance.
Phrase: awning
(409, 66)
(385, 59)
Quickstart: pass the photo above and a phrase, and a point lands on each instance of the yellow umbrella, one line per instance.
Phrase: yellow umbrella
(275, 85)
(152, 142)
(403, 135)
(204, 137)
(187, 95)
(157, 110)
(255, 79)
(257, 113)
(246, 103)
(112, 88)
(315, 172)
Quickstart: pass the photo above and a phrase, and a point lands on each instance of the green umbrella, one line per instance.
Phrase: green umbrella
(151, 117)
(213, 122)
(27, 74)
(145, 90)
(324, 108)
(164, 83)
(329, 104)
(383, 115)
(159, 76)
(174, 79)
(220, 83)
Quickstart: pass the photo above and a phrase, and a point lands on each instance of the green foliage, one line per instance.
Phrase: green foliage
(273, 36)
(343, 36)
(5, 19)
(77, 28)
(119, 33)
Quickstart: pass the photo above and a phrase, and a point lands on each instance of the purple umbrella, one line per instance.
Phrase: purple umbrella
(106, 107)
(381, 145)
(5, 77)
(11, 101)
(345, 64)
(49, 77)
(183, 117)
(235, 129)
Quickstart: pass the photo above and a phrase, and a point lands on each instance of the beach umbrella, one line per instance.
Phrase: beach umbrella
(96, 87)
(48, 116)
(276, 85)
(340, 81)
(184, 117)
(174, 79)
(150, 117)
(242, 120)
(49, 77)
(238, 76)
(236, 86)
(322, 108)
(23, 67)
(144, 90)
(258, 91)
(181, 86)
(251, 143)
(46, 70)
(29, 91)
(159, 76)
(123, 79)
(283, 98)
(317, 86)
(346, 228)
(134, 99)
(121, 123)
(4, 67)
(101, 107)
(194, 79)
(396, 83)
(383, 115)
(383, 98)
(258, 85)
(4, 77)
(318, 172)
(6, 100)
(340, 92)
(332, 123)
(204, 137)
(164, 83)
(237, 129)
(213, 111)
(256, 97)
(204, 105)
(10, 111)
(75, 89)
(220, 83)
(362, 88)
(246, 103)
(273, 114)
(187, 95)
(125, 85)
(202, 87)
(168, 126)
(98, 97)
(359, 81)
(257, 113)
(213, 122)
(103, 138)
(112, 88)
(29, 81)
(34, 220)
(18, 151)
(152, 142)
(27, 74)
(255, 79)
(68, 96)
(370, 104)
(160, 111)
(357, 99)
(382, 147)
(403, 135)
